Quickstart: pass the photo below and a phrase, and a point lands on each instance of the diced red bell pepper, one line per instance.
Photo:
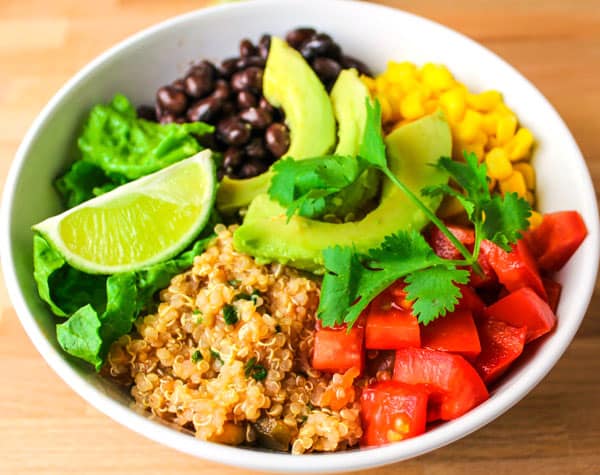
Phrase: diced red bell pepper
(469, 300)
(501, 344)
(443, 247)
(553, 290)
(453, 384)
(488, 277)
(456, 333)
(337, 350)
(391, 411)
(555, 240)
(521, 308)
(390, 327)
(515, 269)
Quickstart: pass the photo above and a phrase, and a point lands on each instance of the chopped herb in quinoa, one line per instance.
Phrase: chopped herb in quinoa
(230, 315)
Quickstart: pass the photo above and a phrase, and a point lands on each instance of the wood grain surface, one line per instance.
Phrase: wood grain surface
(45, 428)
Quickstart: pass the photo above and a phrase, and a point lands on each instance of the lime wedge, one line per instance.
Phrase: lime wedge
(141, 223)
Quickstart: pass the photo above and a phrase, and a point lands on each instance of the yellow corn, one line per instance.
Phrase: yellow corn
(369, 82)
(470, 126)
(437, 77)
(489, 123)
(506, 128)
(386, 109)
(411, 106)
(520, 145)
(475, 148)
(530, 198)
(535, 220)
(528, 173)
(485, 101)
(453, 102)
(515, 183)
(400, 72)
(498, 164)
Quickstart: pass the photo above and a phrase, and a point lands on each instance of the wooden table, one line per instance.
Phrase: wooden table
(46, 429)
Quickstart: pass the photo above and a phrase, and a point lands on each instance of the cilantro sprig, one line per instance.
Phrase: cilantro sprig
(352, 280)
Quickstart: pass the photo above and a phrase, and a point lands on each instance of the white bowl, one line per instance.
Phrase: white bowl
(139, 65)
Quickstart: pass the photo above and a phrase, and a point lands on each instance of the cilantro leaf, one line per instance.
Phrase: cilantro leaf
(434, 291)
(353, 280)
(372, 147)
(505, 219)
(303, 186)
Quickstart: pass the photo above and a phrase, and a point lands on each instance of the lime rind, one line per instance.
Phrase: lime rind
(158, 191)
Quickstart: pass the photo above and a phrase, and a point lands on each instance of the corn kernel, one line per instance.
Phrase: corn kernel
(520, 144)
(453, 102)
(506, 128)
(485, 101)
(470, 126)
(481, 138)
(514, 184)
(498, 164)
(369, 82)
(386, 109)
(475, 148)
(450, 207)
(437, 77)
(397, 72)
(431, 106)
(394, 96)
(528, 173)
(381, 82)
(489, 123)
(411, 106)
(492, 183)
(400, 425)
(535, 220)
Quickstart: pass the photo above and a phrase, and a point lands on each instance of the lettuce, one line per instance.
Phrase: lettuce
(116, 147)
(100, 309)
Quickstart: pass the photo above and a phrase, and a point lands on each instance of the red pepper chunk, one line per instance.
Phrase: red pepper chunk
(524, 308)
(501, 344)
(389, 326)
(391, 411)
(515, 269)
(337, 350)
(456, 333)
(469, 300)
(553, 290)
(555, 240)
(453, 385)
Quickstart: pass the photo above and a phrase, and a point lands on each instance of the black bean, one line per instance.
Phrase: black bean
(321, 45)
(246, 99)
(249, 79)
(326, 68)
(171, 100)
(244, 63)
(247, 48)
(222, 90)
(257, 118)
(232, 158)
(350, 62)
(167, 118)
(277, 137)
(146, 112)
(179, 84)
(252, 168)
(205, 66)
(299, 36)
(227, 109)
(228, 67)
(204, 110)
(256, 149)
(263, 46)
(264, 104)
(199, 82)
(233, 131)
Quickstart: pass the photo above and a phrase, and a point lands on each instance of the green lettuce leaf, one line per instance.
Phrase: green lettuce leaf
(116, 147)
(100, 309)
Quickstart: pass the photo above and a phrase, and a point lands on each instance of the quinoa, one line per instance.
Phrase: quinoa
(230, 345)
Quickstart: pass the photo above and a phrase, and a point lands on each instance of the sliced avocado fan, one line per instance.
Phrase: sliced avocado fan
(289, 83)
(412, 149)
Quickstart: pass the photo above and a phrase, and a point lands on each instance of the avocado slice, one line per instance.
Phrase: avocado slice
(348, 97)
(268, 236)
(289, 83)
